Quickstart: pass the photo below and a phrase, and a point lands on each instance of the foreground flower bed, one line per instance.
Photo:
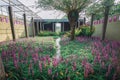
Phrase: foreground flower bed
(100, 60)
(82, 59)
(21, 57)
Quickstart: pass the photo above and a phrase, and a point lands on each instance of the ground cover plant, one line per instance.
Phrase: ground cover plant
(100, 60)
(86, 58)
(18, 56)
(50, 33)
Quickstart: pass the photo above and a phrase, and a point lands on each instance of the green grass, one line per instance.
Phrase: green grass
(76, 48)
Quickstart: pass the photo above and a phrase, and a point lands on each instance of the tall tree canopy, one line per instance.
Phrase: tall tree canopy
(101, 9)
(93, 10)
(107, 4)
(71, 7)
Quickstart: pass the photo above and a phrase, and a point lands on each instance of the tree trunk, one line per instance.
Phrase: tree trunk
(105, 21)
(2, 71)
(73, 18)
(91, 25)
(72, 25)
(84, 20)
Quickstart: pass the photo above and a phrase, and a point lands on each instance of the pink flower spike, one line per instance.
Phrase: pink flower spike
(40, 66)
(49, 71)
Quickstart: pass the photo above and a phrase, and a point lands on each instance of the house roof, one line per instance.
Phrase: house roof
(53, 20)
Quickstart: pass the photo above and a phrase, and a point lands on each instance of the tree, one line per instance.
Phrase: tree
(102, 10)
(2, 72)
(115, 10)
(93, 10)
(71, 7)
(107, 4)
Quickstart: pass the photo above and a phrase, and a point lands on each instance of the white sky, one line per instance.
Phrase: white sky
(53, 14)
(48, 14)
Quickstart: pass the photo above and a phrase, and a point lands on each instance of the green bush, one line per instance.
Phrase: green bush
(48, 33)
(77, 32)
(82, 31)
(62, 33)
(85, 31)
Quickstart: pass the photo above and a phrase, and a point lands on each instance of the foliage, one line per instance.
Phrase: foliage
(115, 10)
(20, 56)
(85, 30)
(77, 32)
(49, 33)
(64, 5)
(62, 33)
(99, 60)
(71, 7)
(67, 49)
(82, 59)
(82, 31)
(98, 9)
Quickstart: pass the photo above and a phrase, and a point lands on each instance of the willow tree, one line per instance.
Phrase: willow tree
(71, 7)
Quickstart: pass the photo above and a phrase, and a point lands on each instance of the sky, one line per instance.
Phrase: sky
(44, 14)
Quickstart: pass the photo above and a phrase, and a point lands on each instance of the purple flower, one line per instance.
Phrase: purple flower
(109, 69)
(103, 65)
(40, 66)
(74, 66)
(68, 78)
(49, 71)
(35, 57)
(55, 62)
(66, 70)
(16, 63)
(114, 76)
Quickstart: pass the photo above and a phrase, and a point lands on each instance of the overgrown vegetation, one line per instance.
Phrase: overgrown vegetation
(97, 60)
(49, 33)
(82, 59)
(82, 31)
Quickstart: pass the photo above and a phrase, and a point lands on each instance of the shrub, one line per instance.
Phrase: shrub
(85, 31)
(77, 32)
(82, 31)
(48, 33)
(62, 33)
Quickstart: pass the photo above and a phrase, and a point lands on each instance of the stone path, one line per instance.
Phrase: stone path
(58, 49)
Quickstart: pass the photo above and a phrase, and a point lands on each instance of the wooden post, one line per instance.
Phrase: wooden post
(53, 27)
(25, 25)
(84, 20)
(91, 25)
(33, 27)
(40, 26)
(11, 22)
(43, 27)
(63, 26)
(37, 27)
